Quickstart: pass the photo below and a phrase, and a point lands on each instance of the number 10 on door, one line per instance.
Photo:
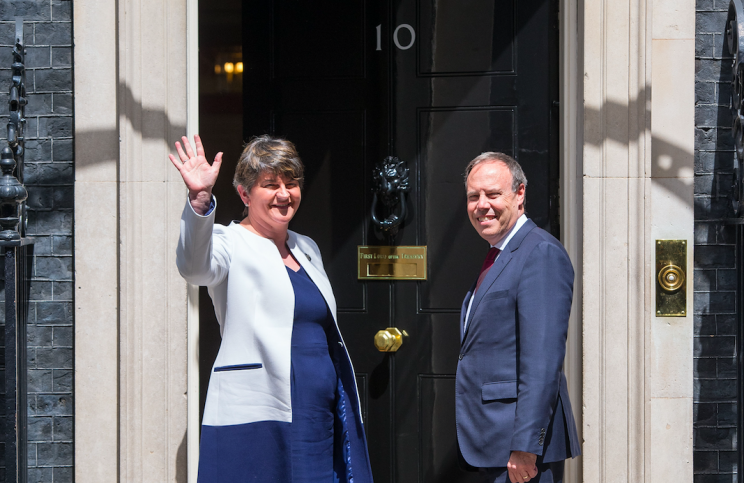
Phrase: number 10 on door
(403, 26)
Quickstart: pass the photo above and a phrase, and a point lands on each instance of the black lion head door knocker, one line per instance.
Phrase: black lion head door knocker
(390, 185)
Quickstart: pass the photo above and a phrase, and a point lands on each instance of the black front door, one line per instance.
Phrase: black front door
(434, 83)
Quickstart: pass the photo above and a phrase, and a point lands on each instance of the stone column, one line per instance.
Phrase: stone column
(130, 85)
(152, 314)
(96, 242)
(638, 187)
(571, 131)
(669, 341)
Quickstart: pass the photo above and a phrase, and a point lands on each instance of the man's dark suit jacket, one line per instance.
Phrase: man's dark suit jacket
(511, 390)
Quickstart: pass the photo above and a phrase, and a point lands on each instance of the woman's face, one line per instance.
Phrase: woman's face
(272, 201)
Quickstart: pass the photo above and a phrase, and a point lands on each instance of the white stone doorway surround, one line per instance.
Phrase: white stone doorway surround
(626, 177)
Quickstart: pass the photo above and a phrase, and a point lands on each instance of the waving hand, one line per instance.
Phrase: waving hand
(198, 175)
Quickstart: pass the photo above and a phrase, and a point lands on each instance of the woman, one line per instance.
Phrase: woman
(282, 403)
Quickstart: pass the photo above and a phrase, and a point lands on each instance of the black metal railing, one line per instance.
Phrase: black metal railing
(17, 254)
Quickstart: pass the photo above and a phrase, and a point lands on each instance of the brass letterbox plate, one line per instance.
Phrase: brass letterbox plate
(671, 278)
(391, 263)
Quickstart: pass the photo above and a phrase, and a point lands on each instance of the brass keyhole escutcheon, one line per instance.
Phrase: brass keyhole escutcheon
(389, 340)
(671, 278)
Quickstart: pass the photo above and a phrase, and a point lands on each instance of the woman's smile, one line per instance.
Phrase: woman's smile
(273, 201)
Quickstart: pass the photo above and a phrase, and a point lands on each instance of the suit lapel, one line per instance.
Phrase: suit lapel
(496, 269)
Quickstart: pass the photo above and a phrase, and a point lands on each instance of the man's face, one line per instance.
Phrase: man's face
(493, 208)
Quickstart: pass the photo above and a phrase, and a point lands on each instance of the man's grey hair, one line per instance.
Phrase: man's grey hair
(515, 169)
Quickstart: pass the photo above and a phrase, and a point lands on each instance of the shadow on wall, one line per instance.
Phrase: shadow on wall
(149, 123)
(714, 185)
(668, 160)
(103, 144)
(717, 136)
(666, 157)
(181, 464)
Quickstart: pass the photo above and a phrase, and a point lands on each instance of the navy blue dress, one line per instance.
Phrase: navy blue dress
(325, 441)
(313, 383)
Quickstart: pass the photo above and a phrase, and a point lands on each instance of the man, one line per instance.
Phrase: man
(514, 419)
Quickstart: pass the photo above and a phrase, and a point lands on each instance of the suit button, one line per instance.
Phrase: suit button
(460, 357)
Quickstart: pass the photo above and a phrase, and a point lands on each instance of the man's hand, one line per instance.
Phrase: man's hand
(521, 466)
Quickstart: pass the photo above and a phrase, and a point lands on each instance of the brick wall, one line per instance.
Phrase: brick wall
(49, 180)
(715, 366)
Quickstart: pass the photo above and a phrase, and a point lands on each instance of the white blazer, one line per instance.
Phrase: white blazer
(254, 303)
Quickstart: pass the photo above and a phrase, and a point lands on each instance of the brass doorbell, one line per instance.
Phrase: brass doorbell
(671, 278)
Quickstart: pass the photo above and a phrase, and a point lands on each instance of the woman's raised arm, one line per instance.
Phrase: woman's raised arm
(198, 175)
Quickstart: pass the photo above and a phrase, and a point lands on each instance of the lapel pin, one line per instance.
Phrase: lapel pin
(308, 257)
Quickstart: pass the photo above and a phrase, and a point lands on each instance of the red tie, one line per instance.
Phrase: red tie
(490, 257)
